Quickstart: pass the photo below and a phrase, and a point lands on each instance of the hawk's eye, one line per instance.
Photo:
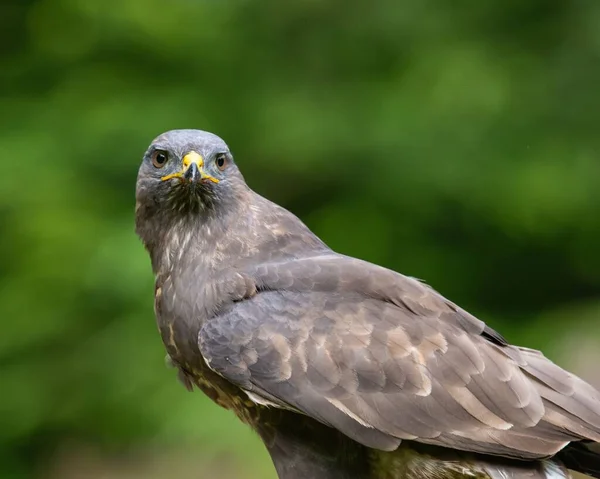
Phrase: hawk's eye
(159, 158)
(221, 162)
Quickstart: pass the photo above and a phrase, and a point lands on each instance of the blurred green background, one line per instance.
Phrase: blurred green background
(453, 141)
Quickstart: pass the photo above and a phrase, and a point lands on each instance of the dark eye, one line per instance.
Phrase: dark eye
(221, 162)
(159, 158)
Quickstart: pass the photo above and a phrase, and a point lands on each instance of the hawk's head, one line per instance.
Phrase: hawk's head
(187, 172)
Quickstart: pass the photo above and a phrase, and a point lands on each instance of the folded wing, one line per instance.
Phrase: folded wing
(382, 357)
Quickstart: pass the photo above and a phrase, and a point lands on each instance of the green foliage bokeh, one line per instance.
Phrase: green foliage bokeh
(453, 141)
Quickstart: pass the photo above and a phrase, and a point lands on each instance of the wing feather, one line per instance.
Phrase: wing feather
(383, 357)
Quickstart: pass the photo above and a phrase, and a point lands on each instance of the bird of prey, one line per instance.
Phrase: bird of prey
(345, 369)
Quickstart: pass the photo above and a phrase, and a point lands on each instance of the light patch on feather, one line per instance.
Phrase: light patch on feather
(554, 471)
(473, 406)
(465, 471)
(399, 343)
(347, 412)
(171, 339)
(250, 356)
(157, 298)
(282, 346)
(425, 386)
(285, 372)
(431, 344)
(301, 356)
(361, 330)
(207, 362)
(261, 401)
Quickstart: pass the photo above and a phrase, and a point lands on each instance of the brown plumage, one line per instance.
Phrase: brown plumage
(304, 343)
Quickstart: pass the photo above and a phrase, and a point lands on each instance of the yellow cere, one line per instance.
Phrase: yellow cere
(192, 157)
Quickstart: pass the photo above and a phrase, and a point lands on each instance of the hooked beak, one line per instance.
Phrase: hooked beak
(192, 173)
(192, 170)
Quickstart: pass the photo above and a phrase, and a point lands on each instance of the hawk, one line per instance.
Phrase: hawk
(345, 369)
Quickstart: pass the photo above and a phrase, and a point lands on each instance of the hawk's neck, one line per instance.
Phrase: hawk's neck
(251, 231)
